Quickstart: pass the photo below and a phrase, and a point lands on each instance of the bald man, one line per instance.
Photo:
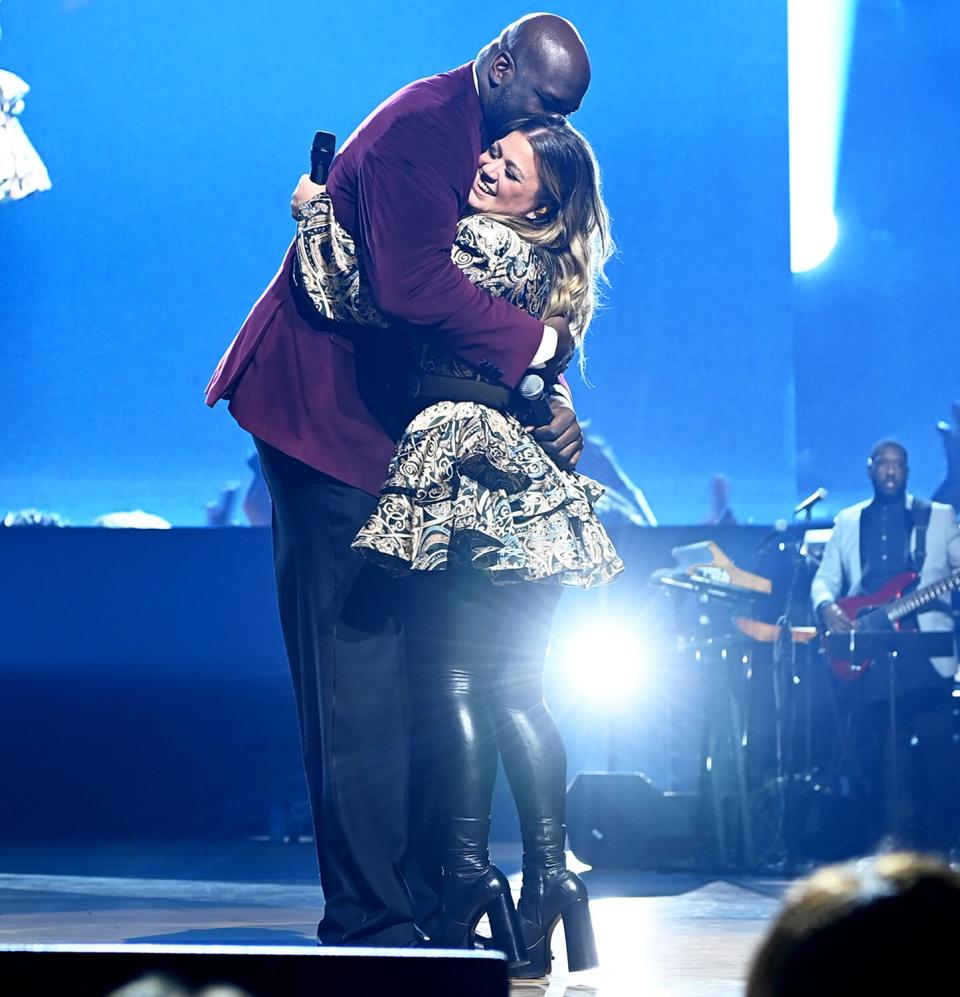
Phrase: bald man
(316, 396)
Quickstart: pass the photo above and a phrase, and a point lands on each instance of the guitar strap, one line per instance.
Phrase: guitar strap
(920, 515)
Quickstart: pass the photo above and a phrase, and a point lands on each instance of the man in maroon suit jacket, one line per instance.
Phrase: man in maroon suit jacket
(311, 393)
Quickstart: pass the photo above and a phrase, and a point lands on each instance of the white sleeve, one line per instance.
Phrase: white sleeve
(953, 542)
(548, 347)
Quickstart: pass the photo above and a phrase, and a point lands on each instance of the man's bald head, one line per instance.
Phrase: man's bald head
(552, 48)
(538, 65)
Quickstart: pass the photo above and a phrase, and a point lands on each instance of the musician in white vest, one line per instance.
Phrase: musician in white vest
(872, 543)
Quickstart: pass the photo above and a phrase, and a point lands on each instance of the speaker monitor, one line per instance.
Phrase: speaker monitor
(256, 970)
(620, 820)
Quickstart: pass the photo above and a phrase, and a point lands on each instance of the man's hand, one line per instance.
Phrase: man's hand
(306, 190)
(835, 619)
(561, 438)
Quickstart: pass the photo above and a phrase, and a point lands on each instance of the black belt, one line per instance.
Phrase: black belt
(429, 388)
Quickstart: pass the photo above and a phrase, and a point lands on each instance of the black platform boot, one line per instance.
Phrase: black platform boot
(473, 887)
(551, 892)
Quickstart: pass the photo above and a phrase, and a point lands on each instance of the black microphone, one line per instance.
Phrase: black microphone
(321, 155)
(533, 392)
(810, 501)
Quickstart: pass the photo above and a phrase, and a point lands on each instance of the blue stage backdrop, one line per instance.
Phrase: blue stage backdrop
(878, 325)
(174, 132)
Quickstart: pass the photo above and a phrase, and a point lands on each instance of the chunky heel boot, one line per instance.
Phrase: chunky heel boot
(578, 932)
(551, 892)
(473, 887)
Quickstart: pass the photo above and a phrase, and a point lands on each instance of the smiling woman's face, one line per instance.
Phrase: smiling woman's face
(507, 182)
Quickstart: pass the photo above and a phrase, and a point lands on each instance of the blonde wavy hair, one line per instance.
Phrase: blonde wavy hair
(572, 224)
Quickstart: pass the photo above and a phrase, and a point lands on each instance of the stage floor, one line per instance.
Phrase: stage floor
(682, 934)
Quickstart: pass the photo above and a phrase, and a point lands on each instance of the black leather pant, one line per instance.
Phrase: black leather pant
(477, 652)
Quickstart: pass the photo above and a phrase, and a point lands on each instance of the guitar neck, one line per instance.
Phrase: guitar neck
(911, 603)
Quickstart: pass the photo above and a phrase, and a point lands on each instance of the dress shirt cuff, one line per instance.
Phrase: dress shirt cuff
(548, 347)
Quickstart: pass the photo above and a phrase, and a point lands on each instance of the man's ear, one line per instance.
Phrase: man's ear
(501, 69)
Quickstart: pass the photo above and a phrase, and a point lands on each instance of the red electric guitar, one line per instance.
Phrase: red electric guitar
(885, 608)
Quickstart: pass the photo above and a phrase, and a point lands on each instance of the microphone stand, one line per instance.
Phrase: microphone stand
(784, 674)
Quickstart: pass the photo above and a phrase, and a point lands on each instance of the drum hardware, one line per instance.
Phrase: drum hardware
(738, 612)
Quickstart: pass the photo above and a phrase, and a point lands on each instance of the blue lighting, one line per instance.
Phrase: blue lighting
(819, 34)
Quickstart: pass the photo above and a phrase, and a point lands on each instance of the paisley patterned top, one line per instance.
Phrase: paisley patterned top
(468, 485)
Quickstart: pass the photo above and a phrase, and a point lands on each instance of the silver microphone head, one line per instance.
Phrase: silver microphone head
(532, 387)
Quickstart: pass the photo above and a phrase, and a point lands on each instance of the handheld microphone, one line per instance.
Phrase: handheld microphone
(533, 391)
(321, 156)
(810, 501)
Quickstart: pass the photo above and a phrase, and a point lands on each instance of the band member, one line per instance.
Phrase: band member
(872, 544)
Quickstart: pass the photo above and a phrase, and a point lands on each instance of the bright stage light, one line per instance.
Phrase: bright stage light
(604, 663)
(819, 36)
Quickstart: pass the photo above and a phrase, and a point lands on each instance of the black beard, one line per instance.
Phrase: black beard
(882, 496)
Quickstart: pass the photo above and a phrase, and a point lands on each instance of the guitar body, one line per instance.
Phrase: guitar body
(868, 609)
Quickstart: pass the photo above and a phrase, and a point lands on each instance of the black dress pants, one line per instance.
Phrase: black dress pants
(341, 626)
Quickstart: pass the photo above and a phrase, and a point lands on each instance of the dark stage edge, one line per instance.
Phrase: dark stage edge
(683, 934)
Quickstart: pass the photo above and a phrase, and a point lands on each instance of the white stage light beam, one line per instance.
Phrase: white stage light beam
(819, 37)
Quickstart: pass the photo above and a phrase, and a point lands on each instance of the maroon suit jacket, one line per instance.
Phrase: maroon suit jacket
(308, 386)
